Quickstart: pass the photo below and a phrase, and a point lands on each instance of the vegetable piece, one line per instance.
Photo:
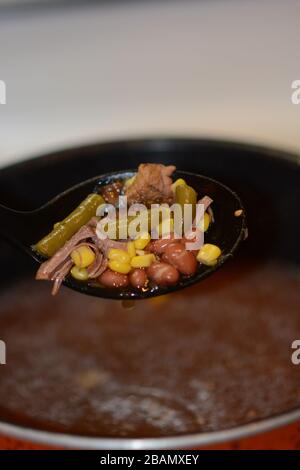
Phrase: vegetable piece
(113, 279)
(112, 191)
(208, 254)
(138, 278)
(186, 195)
(181, 259)
(142, 241)
(79, 274)
(178, 182)
(140, 252)
(118, 229)
(163, 274)
(64, 230)
(119, 266)
(143, 261)
(131, 249)
(129, 181)
(204, 223)
(83, 256)
(118, 255)
(159, 246)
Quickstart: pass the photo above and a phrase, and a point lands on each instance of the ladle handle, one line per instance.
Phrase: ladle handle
(17, 226)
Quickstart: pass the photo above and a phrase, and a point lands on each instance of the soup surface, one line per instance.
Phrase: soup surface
(212, 356)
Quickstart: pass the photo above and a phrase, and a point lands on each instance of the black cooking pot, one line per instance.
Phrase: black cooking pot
(210, 363)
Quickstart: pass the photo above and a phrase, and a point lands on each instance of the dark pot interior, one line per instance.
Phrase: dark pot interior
(214, 356)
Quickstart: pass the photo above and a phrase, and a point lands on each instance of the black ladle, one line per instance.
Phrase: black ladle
(229, 229)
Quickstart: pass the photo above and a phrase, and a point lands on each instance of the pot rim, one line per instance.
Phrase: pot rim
(181, 441)
(159, 142)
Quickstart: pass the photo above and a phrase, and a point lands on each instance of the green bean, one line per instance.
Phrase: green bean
(65, 229)
(119, 229)
(186, 195)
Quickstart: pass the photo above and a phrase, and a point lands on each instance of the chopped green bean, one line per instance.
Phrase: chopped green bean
(65, 229)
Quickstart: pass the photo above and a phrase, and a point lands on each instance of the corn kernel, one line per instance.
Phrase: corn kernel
(204, 222)
(208, 254)
(79, 274)
(179, 182)
(119, 267)
(143, 261)
(118, 255)
(140, 252)
(131, 249)
(129, 181)
(83, 256)
(142, 241)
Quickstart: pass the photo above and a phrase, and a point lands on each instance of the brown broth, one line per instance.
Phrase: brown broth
(213, 356)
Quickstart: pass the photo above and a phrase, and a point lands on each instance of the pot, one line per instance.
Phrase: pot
(200, 366)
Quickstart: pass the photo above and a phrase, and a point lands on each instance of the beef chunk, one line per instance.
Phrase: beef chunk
(152, 185)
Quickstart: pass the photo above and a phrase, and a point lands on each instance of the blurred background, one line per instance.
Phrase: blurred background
(86, 71)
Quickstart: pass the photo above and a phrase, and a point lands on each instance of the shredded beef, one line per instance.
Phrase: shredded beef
(49, 267)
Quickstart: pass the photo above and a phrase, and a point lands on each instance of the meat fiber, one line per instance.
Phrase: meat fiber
(48, 269)
(58, 266)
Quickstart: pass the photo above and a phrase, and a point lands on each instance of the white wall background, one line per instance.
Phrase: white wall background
(219, 68)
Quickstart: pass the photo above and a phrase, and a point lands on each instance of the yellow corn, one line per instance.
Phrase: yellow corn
(204, 222)
(118, 266)
(179, 182)
(79, 274)
(208, 254)
(129, 181)
(142, 241)
(131, 249)
(115, 254)
(83, 256)
(140, 252)
(143, 261)
(166, 227)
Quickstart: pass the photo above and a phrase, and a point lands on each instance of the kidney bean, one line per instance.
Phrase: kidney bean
(138, 278)
(113, 279)
(181, 259)
(163, 274)
(159, 246)
(111, 192)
